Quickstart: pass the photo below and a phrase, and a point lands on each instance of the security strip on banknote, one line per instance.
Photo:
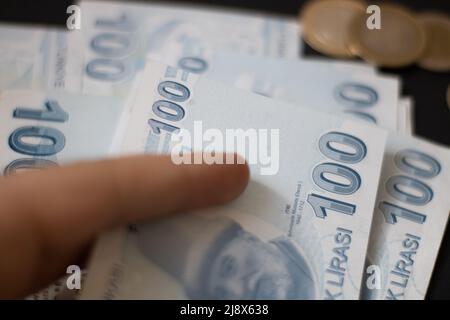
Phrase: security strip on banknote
(405, 121)
(301, 229)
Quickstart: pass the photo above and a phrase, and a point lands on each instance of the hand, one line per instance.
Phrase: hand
(48, 218)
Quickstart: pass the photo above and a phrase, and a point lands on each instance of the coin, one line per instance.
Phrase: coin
(436, 56)
(399, 42)
(325, 25)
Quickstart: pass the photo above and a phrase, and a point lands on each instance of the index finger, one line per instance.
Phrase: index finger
(59, 210)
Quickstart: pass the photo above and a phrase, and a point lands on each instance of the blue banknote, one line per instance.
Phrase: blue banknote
(345, 89)
(298, 232)
(409, 221)
(119, 36)
(115, 39)
(44, 128)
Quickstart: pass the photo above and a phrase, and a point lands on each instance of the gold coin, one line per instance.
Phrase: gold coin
(436, 56)
(325, 25)
(399, 42)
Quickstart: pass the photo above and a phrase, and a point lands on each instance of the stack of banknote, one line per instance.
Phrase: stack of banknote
(346, 203)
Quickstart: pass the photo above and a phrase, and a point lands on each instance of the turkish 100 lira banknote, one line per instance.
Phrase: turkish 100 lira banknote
(349, 90)
(300, 230)
(115, 39)
(180, 36)
(409, 221)
(43, 128)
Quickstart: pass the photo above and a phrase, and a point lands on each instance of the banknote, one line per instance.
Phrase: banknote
(344, 89)
(104, 56)
(117, 38)
(44, 128)
(409, 221)
(299, 231)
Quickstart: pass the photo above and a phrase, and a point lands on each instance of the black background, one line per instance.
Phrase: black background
(431, 112)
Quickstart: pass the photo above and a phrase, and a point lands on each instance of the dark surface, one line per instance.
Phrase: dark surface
(431, 113)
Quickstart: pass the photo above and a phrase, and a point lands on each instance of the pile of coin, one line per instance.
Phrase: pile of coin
(339, 28)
